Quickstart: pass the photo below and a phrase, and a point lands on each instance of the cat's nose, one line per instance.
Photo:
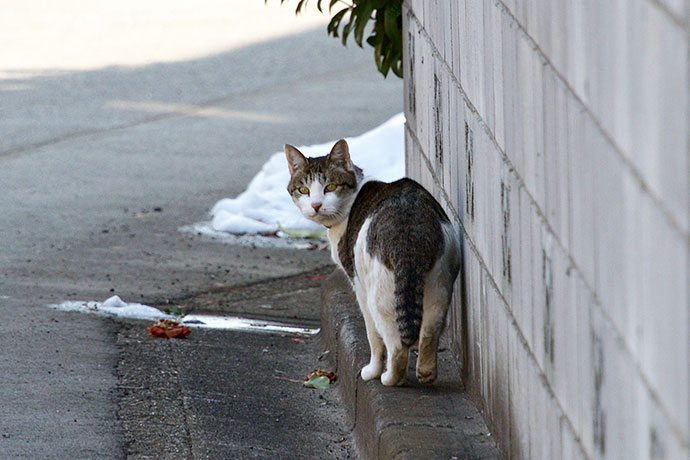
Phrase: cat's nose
(316, 206)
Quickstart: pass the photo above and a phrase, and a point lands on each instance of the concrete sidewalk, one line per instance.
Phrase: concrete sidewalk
(412, 422)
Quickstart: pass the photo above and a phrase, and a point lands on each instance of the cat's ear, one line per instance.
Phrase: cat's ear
(295, 159)
(340, 155)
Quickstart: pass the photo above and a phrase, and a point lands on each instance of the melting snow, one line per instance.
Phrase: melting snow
(114, 306)
(266, 207)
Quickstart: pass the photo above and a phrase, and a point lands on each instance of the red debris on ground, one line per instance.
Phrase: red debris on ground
(332, 376)
(169, 329)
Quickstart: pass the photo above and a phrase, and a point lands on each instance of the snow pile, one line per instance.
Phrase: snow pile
(266, 207)
(114, 306)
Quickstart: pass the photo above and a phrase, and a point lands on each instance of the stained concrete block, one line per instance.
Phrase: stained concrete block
(580, 143)
(498, 76)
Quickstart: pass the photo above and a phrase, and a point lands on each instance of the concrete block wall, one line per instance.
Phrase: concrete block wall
(556, 134)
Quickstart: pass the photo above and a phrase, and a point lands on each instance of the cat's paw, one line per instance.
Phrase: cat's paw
(390, 380)
(371, 371)
(426, 375)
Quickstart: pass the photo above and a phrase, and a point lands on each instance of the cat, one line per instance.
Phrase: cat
(397, 247)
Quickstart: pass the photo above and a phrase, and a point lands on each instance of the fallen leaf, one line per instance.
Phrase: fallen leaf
(320, 382)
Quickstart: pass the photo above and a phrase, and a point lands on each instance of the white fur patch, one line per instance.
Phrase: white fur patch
(378, 282)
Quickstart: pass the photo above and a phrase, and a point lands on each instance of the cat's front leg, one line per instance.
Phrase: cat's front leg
(376, 347)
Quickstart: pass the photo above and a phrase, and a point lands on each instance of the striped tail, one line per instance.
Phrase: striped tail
(409, 297)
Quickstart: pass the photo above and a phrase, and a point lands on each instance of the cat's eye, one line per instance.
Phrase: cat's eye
(331, 187)
(303, 190)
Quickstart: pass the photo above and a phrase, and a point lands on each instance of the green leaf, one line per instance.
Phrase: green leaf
(335, 22)
(346, 31)
(299, 6)
(397, 68)
(363, 15)
(320, 382)
(391, 23)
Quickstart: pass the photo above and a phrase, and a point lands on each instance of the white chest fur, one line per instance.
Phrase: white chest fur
(335, 233)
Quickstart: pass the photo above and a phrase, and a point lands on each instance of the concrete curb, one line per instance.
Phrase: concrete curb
(412, 422)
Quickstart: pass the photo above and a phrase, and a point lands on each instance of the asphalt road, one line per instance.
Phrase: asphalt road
(117, 126)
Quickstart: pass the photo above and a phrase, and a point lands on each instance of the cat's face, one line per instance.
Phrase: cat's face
(323, 188)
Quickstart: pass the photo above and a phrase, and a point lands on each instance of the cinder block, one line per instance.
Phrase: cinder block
(496, 27)
(531, 117)
(564, 358)
(474, 336)
(523, 121)
(663, 316)
(581, 203)
(541, 282)
(497, 198)
(508, 236)
(558, 34)
(525, 281)
(426, 177)
(473, 74)
(499, 388)
(610, 241)
(539, 434)
(576, 67)
(570, 447)
(417, 8)
(409, 34)
(583, 415)
(519, 446)
(510, 92)
(446, 24)
(413, 157)
(486, 61)
(461, 193)
(452, 151)
(483, 191)
(556, 162)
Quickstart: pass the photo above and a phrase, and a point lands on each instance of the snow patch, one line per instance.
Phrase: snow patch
(114, 306)
(265, 206)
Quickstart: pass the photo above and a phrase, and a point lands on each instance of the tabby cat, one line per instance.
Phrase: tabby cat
(396, 245)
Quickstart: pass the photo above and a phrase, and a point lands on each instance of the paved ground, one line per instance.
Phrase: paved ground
(119, 123)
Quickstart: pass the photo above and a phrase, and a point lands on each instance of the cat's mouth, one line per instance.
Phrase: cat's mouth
(326, 219)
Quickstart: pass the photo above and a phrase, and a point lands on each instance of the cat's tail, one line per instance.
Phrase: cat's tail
(409, 297)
